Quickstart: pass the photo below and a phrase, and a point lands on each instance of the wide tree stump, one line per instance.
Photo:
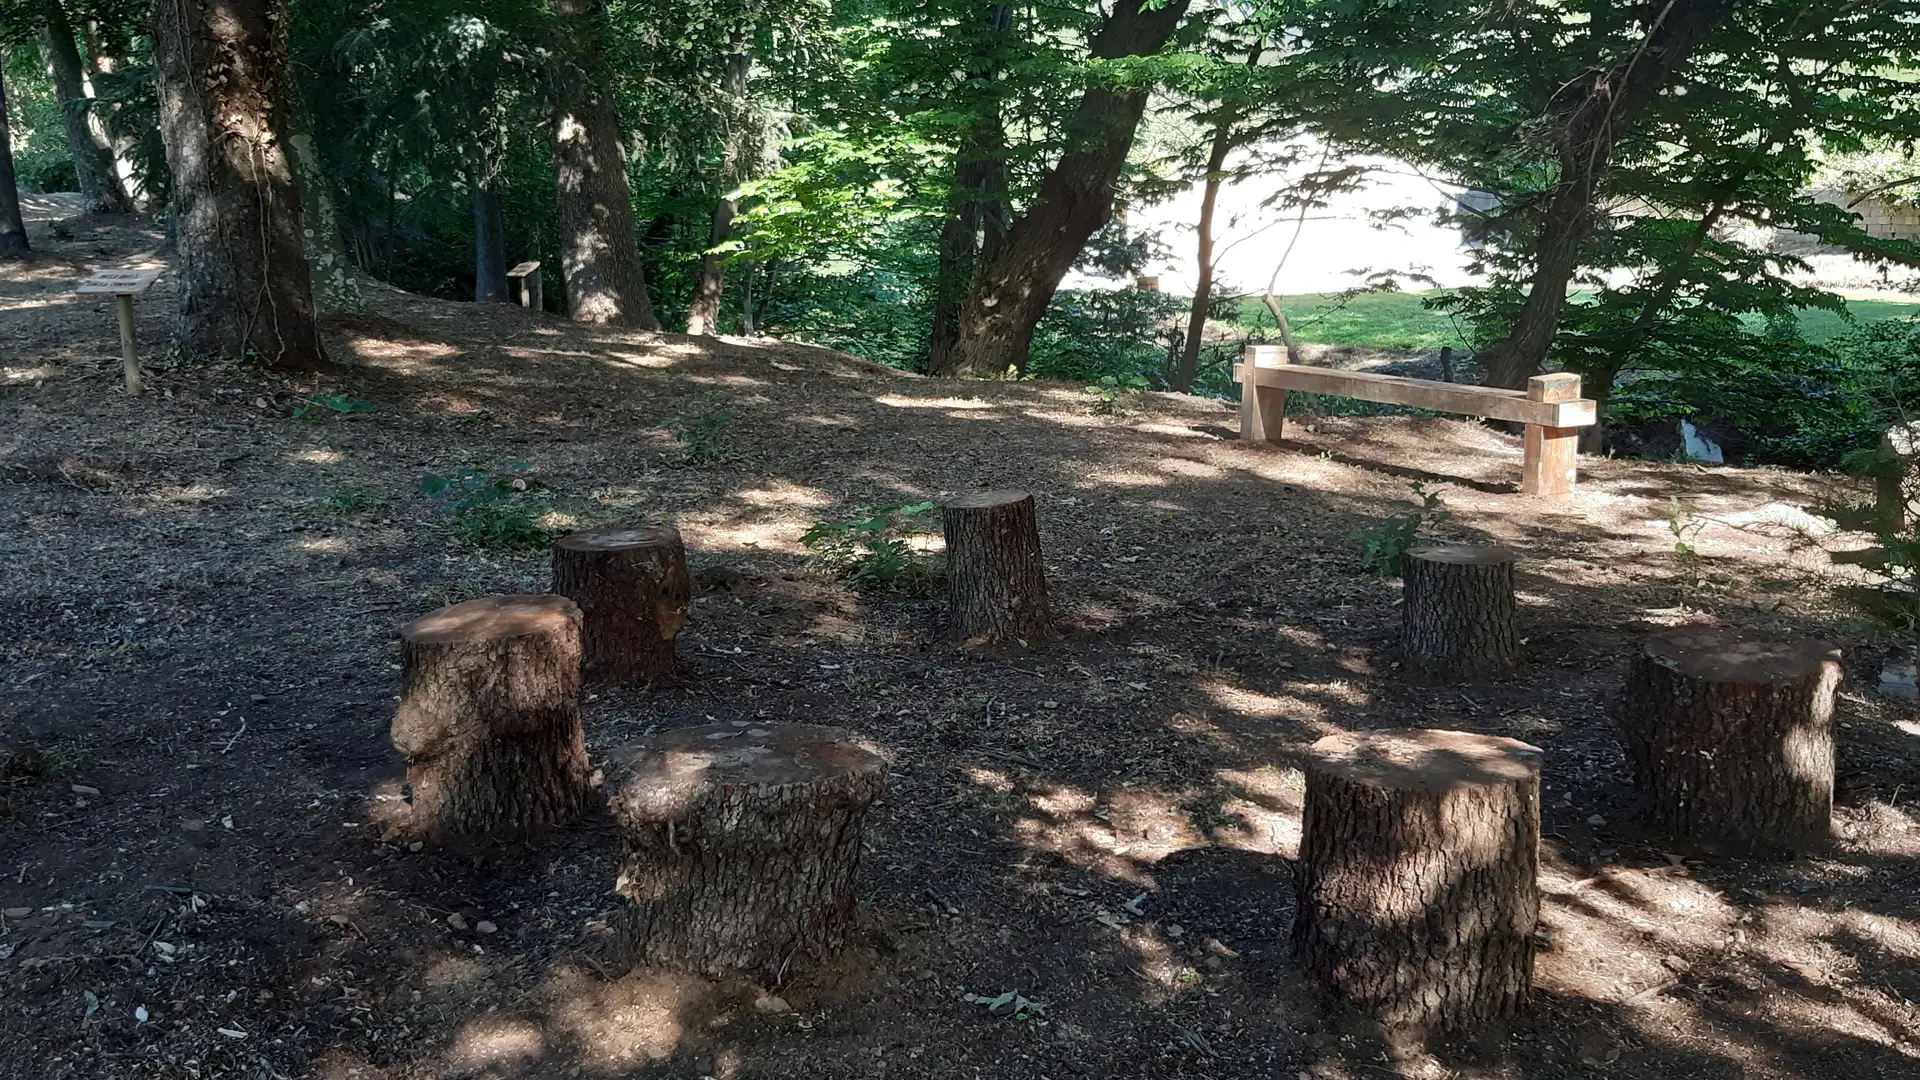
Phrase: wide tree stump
(996, 580)
(489, 716)
(742, 846)
(1416, 879)
(632, 587)
(1730, 736)
(1456, 612)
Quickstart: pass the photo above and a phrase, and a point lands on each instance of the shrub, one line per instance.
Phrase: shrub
(491, 507)
(875, 550)
(1384, 544)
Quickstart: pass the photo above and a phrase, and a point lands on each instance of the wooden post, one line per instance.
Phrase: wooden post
(1263, 409)
(1417, 884)
(1446, 363)
(123, 286)
(1457, 611)
(743, 843)
(523, 282)
(1548, 456)
(129, 358)
(996, 578)
(632, 587)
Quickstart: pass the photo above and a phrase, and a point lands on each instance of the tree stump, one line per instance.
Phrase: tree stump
(489, 716)
(996, 580)
(742, 846)
(1456, 612)
(1416, 879)
(632, 587)
(1730, 736)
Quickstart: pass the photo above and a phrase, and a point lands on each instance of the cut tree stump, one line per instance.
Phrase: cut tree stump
(1730, 736)
(632, 587)
(1456, 613)
(742, 846)
(996, 580)
(489, 716)
(1416, 879)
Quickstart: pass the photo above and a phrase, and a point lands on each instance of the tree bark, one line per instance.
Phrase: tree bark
(92, 155)
(489, 247)
(244, 287)
(1457, 611)
(703, 313)
(1730, 737)
(113, 128)
(1012, 289)
(13, 230)
(977, 203)
(996, 578)
(599, 249)
(632, 587)
(1417, 879)
(1588, 118)
(328, 268)
(489, 716)
(1203, 283)
(743, 846)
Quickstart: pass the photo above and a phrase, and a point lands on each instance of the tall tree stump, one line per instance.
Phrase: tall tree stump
(489, 716)
(996, 580)
(1730, 736)
(632, 587)
(1416, 878)
(1456, 612)
(742, 846)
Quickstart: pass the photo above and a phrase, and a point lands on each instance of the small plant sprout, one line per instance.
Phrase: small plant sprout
(1115, 394)
(491, 507)
(319, 408)
(1010, 1004)
(1384, 544)
(700, 437)
(876, 550)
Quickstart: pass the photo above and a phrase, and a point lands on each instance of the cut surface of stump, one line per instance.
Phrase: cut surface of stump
(743, 842)
(1456, 612)
(1730, 736)
(1416, 880)
(489, 716)
(996, 580)
(631, 584)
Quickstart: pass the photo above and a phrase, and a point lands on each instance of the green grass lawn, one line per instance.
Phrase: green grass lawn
(1398, 321)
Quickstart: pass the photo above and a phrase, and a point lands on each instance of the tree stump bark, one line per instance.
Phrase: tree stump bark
(489, 716)
(1416, 878)
(1730, 736)
(742, 846)
(996, 580)
(1456, 611)
(632, 587)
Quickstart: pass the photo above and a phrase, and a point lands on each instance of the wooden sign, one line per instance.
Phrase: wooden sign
(523, 284)
(120, 282)
(524, 269)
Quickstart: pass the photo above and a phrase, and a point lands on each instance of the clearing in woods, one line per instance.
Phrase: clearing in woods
(200, 593)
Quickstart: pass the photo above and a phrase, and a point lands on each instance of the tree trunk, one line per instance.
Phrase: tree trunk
(328, 268)
(1416, 881)
(703, 313)
(244, 288)
(599, 250)
(1896, 478)
(743, 845)
(489, 247)
(1457, 611)
(975, 205)
(1013, 288)
(13, 231)
(120, 141)
(1588, 119)
(92, 156)
(489, 716)
(1730, 737)
(996, 578)
(1203, 284)
(632, 587)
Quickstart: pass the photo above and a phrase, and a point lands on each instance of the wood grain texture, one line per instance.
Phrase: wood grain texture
(1486, 401)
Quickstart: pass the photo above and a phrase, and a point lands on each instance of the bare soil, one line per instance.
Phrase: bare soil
(199, 598)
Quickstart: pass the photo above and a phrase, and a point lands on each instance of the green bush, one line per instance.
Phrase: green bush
(1385, 543)
(874, 550)
(1091, 333)
(491, 507)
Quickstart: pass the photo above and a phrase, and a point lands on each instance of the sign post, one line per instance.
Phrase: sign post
(524, 283)
(124, 285)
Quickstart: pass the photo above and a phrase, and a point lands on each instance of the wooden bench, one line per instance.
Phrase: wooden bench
(1551, 407)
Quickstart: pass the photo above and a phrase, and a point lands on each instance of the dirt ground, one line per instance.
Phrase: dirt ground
(199, 598)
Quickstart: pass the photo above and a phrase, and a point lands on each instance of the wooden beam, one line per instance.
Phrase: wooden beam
(1263, 408)
(1487, 401)
(1549, 452)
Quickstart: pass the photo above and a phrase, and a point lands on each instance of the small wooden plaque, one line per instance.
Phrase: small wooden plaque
(524, 269)
(120, 282)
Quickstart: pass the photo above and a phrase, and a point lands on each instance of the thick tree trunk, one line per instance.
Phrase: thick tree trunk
(743, 845)
(599, 249)
(632, 587)
(92, 155)
(1012, 289)
(328, 268)
(703, 313)
(1730, 736)
(1416, 881)
(13, 231)
(1587, 121)
(976, 204)
(489, 716)
(996, 578)
(1457, 611)
(1203, 283)
(489, 247)
(244, 288)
